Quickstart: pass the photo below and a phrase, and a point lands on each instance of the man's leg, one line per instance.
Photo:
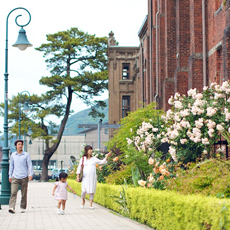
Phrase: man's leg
(14, 191)
(24, 186)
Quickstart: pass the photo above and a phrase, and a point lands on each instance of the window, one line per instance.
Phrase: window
(125, 71)
(125, 105)
(106, 131)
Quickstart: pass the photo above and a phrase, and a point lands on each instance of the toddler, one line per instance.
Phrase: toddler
(61, 193)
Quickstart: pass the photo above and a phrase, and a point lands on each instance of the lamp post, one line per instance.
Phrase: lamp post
(29, 133)
(26, 108)
(22, 43)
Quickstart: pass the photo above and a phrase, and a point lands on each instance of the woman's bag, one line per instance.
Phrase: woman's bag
(81, 172)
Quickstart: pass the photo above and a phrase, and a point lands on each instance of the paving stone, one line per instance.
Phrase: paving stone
(41, 214)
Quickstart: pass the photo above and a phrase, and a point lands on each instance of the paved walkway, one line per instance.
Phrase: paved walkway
(41, 214)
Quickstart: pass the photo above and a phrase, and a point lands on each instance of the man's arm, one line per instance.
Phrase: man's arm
(11, 168)
(30, 167)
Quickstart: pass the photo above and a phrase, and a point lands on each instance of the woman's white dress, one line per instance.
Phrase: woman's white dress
(89, 180)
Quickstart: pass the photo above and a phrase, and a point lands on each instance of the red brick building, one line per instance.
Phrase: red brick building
(183, 44)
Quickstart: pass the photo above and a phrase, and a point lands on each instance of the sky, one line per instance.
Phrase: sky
(25, 68)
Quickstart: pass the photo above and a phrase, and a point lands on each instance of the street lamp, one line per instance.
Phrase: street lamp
(29, 132)
(22, 43)
(26, 108)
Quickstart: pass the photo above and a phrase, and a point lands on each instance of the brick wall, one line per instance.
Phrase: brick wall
(180, 46)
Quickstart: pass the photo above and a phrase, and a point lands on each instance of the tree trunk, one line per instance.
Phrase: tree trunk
(45, 163)
(50, 151)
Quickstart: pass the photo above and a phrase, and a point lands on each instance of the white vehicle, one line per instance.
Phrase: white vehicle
(56, 172)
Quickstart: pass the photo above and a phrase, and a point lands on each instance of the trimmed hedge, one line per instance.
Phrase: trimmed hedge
(166, 210)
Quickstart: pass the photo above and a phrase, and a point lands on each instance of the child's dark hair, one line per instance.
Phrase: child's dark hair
(62, 175)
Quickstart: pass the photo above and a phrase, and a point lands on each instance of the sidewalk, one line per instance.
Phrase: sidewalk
(41, 214)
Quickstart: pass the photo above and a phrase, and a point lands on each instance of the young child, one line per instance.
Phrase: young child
(61, 192)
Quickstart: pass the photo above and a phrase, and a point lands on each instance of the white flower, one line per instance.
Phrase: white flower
(192, 92)
(184, 113)
(197, 139)
(211, 111)
(178, 105)
(219, 95)
(199, 123)
(170, 101)
(183, 141)
(205, 141)
(205, 152)
(185, 124)
(174, 134)
(220, 128)
(172, 152)
(129, 141)
(210, 132)
(163, 140)
(227, 117)
(151, 161)
(142, 183)
(199, 96)
(155, 129)
(199, 103)
(176, 96)
(211, 124)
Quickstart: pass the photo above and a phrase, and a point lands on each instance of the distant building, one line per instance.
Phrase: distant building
(91, 137)
(183, 45)
(124, 83)
(69, 146)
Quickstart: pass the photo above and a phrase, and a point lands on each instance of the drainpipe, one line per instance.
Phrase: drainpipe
(204, 44)
(157, 69)
(150, 44)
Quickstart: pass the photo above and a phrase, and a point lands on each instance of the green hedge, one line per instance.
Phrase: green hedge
(166, 210)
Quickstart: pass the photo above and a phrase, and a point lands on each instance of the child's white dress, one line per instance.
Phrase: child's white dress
(61, 190)
(89, 180)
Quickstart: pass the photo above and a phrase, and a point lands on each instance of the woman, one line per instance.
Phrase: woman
(89, 180)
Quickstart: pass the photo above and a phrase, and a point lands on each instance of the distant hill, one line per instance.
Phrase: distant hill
(82, 117)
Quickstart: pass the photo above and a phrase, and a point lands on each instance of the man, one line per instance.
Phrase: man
(20, 171)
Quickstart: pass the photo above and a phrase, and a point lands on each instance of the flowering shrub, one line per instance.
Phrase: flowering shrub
(192, 126)
(161, 171)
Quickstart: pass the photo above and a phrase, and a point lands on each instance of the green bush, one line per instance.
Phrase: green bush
(118, 177)
(131, 123)
(166, 210)
(209, 178)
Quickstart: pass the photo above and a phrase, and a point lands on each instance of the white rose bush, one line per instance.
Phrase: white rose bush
(192, 126)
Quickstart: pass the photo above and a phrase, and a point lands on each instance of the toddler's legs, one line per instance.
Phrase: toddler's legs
(59, 204)
(63, 204)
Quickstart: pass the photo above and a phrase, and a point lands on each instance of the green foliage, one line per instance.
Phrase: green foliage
(139, 159)
(131, 123)
(118, 177)
(135, 175)
(122, 201)
(72, 172)
(165, 210)
(78, 64)
(102, 172)
(210, 178)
